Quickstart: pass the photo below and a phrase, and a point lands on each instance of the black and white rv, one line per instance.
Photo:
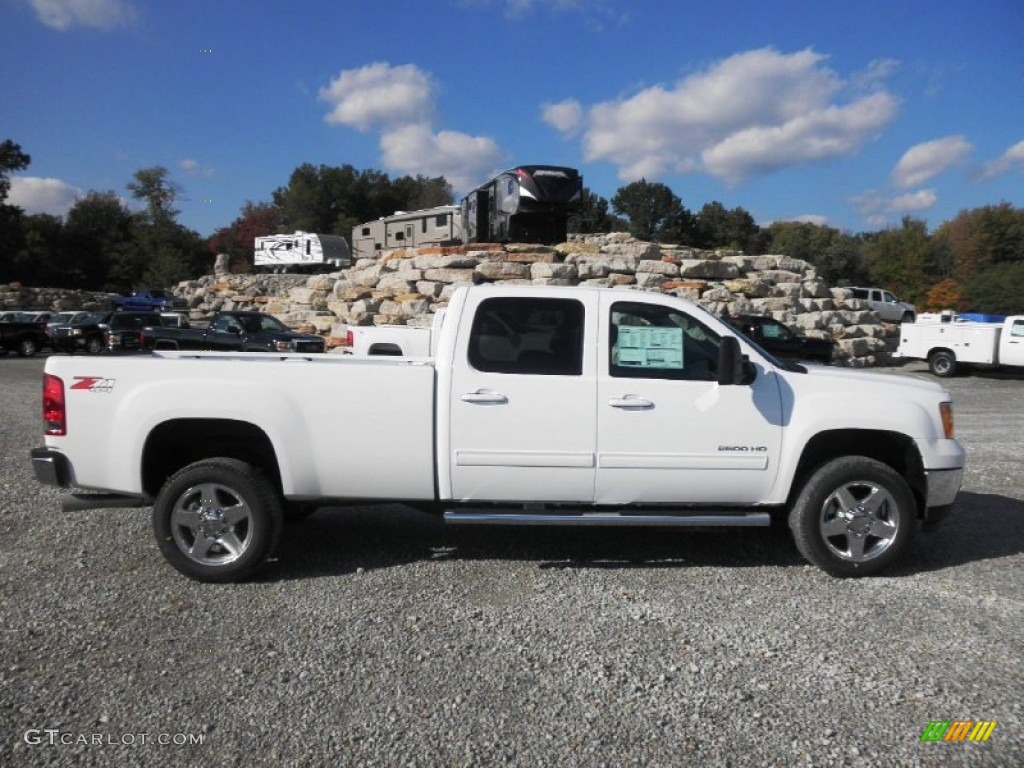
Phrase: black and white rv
(526, 204)
(302, 251)
(408, 229)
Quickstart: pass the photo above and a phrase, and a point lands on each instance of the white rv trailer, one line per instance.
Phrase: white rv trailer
(408, 229)
(302, 249)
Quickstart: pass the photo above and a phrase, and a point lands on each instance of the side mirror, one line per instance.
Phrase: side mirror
(733, 366)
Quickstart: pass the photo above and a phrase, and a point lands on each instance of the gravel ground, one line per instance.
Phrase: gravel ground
(383, 638)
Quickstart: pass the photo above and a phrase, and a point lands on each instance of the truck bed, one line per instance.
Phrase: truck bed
(325, 407)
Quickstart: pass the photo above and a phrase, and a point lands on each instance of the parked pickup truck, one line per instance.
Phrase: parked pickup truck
(103, 331)
(948, 344)
(25, 338)
(234, 331)
(542, 406)
(148, 300)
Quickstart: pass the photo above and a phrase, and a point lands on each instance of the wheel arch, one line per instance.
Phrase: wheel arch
(891, 448)
(176, 443)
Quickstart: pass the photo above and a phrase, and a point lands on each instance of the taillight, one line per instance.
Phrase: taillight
(349, 338)
(54, 410)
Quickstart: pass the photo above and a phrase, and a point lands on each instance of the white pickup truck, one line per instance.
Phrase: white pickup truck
(542, 406)
(947, 344)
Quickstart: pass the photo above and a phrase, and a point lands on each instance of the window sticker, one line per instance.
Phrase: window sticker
(650, 347)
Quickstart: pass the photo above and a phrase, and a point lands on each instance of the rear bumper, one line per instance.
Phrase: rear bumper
(52, 467)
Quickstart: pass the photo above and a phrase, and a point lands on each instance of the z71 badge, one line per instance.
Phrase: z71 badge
(93, 383)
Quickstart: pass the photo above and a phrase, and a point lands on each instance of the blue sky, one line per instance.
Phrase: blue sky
(851, 114)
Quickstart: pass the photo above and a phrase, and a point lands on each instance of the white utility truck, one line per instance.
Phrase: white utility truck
(541, 406)
(948, 343)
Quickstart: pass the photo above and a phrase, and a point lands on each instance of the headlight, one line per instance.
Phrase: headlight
(284, 346)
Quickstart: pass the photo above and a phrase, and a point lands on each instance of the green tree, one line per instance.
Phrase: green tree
(11, 159)
(594, 216)
(654, 212)
(165, 252)
(37, 261)
(155, 188)
(998, 289)
(97, 229)
(902, 259)
(719, 227)
(12, 218)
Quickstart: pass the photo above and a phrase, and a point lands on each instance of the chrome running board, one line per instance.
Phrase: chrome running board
(488, 517)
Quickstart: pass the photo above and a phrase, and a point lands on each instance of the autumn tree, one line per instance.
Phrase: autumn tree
(982, 237)
(945, 294)
(238, 238)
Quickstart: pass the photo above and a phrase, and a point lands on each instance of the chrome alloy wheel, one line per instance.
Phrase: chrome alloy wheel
(859, 521)
(212, 524)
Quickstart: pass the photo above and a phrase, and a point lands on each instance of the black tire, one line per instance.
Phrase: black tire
(942, 363)
(908, 317)
(217, 520)
(855, 517)
(27, 347)
(93, 345)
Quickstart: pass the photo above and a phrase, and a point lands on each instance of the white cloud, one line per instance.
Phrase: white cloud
(64, 14)
(379, 94)
(750, 113)
(36, 195)
(566, 116)
(399, 102)
(921, 200)
(878, 209)
(195, 169)
(928, 159)
(462, 159)
(811, 218)
(1011, 159)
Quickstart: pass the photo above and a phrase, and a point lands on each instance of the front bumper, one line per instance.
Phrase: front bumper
(943, 486)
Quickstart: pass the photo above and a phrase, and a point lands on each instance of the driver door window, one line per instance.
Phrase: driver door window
(649, 341)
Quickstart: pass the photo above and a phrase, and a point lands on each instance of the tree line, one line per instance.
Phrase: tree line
(973, 262)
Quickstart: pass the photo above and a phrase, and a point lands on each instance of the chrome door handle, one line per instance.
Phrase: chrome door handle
(630, 402)
(484, 398)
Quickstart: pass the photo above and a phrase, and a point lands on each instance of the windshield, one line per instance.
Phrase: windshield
(263, 324)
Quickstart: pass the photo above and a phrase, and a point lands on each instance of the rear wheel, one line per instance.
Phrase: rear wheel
(942, 363)
(217, 520)
(908, 317)
(93, 346)
(27, 347)
(855, 517)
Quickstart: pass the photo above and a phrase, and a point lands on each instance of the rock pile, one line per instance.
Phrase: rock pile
(406, 287)
(14, 296)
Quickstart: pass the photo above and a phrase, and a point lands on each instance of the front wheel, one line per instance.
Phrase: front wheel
(93, 346)
(217, 520)
(942, 363)
(855, 517)
(27, 347)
